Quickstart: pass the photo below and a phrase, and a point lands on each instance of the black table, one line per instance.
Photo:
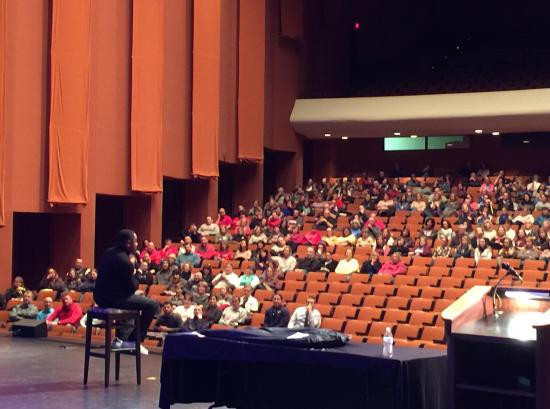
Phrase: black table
(246, 374)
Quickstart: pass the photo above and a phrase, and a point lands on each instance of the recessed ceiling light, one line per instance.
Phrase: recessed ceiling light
(496, 133)
(397, 133)
(478, 131)
(344, 138)
(414, 136)
(526, 141)
(327, 135)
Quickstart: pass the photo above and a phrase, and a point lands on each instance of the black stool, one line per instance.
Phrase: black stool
(108, 316)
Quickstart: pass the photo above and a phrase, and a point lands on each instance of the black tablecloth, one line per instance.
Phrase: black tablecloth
(247, 374)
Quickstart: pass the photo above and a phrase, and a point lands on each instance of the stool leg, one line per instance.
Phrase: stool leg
(117, 365)
(137, 331)
(108, 326)
(87, 347)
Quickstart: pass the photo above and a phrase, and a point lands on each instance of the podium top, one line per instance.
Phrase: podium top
(518, 326)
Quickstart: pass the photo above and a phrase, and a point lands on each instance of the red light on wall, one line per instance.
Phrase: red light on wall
(356, 26)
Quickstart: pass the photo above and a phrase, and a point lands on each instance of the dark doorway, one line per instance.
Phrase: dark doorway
(32, 254)
(109, 219)
(173, 207)
(226, 188)
(278, 171)
(55, 242)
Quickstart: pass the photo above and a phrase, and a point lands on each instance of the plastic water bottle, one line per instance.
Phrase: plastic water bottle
(387, 350)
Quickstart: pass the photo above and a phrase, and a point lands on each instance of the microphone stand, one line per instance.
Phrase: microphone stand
(496, 313)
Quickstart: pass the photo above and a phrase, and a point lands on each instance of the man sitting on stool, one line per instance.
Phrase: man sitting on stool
(115, 287)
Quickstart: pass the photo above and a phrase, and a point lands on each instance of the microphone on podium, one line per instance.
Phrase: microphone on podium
(511, 270)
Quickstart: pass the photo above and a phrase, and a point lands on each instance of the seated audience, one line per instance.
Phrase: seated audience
(188, 256)
(249, 278)
(226, 278)
(200, 296)
(277, 315)
(443, 250)
(186, 310)
(46, 311)
(224, 253)
(234, 315)
(164, 275)
(306, 316)
(52, 281)
(209, 228)
(286, 261)
(243, 252)
(198, 322)
(309, 263)
(393, 266)
(248, 301)
(168, 321)
(372, 265)
(348, 264)
(88, 283)
(212, 313)
(205, 250)
(16, 290)
(69, 313)
(328, 264)
(224, 219)
(25, 310)
(482, 251)
(152, 252)
(529, 252)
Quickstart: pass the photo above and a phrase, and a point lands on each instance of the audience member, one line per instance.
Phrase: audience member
(234, 315)
(277, 315)
(348, 264)
(168, 321)
(46, 311)
(24, 310)
(69, 313)
(306, 316)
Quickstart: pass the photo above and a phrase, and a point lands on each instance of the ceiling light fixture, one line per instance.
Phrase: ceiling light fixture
(414, 136)
(345, 138)
(396, 133)
(526, 141)
(478, 131)
(328, 135)
(496, 133)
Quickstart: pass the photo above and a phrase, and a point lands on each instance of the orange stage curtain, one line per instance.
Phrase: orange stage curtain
(69, 107)
(206, 88)
(2, 115)
(147, 95)
(291, 18)
(251, 104)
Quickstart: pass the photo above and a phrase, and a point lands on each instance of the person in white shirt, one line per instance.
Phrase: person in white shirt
(534, 185)
(187, 310)
(286, 262)
(209, 228)
(234, 315)
(248, 301)
(306, 316)
(348, 265)
(226, 278)
(482, 251)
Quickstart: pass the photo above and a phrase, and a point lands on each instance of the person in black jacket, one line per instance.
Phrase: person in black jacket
(277, 315)
(115, 287)
(372, 265)
(328, 264)
(309, 262)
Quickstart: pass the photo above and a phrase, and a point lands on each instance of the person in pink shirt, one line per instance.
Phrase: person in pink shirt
(69, 313)
(155, 254)
(224, 219)
(206, 250)
(393, 266)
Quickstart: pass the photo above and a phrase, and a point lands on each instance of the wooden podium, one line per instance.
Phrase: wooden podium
(499, 362)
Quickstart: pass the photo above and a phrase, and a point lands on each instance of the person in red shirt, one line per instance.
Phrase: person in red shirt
(169, 248)
(393, 266)
(206, 250)
(155, 254)
(224, 219)
(69, 313)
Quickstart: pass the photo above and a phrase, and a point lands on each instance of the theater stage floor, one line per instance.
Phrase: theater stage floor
(41, 374)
